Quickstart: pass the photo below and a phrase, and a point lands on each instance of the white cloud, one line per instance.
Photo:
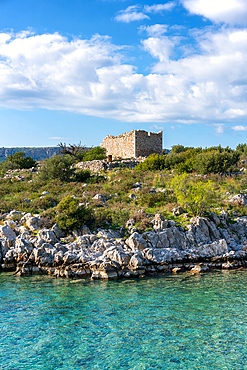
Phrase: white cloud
(89, 77)
(158, 8)
(160, 47)
(219, 128)
(227, 11)
(131, 14)
(154, 30)
(158, 128)
(239, 128)
(134, 12)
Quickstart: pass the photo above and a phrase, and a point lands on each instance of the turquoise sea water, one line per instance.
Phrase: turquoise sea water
(168, 322)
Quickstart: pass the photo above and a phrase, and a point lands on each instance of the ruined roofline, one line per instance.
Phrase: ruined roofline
(133, 144)
(131, 133)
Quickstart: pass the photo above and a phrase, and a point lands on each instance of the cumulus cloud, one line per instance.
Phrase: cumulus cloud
(227, 11)
(239, 128)
(154, 30)
(219, 128)
(160, 47)
(137, 13)
(89, 77)
(158, 8)
(132, 13)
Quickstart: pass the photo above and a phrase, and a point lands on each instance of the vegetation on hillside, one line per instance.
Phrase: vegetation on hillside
(188, 160)
(81, 153)
(18, 160)
(195, 179)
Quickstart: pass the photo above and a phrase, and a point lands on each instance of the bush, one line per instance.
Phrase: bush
(120, 217)
(71, 216)
(215, 161)
(154, 162)
(92, 154)
(82, 175)
(152, 199)
(82, 153)
(57, 167)
(198, 196)
(20, 161)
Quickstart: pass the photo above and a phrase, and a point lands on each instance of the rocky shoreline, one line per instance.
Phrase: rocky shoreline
(214, 242)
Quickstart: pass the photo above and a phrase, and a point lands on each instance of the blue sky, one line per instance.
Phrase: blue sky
(78, 71)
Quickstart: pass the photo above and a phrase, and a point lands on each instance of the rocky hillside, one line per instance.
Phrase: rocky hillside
(206, 243)
(36, 153)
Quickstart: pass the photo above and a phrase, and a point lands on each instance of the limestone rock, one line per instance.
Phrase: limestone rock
(57, 231)
(33, 223)
(196, 269)
(136, 241)
(100, 198)
(7, 234)
(177, 211)
(117, 255)
(239, 199)
(47, 235)
(159, 223)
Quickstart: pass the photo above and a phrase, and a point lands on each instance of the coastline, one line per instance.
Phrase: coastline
(205, 244)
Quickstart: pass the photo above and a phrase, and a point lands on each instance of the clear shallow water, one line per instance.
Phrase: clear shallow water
(169, 322)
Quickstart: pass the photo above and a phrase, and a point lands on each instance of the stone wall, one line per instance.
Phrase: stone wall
(122, 146)
(148, 143)
(136, 143)
(100, 165)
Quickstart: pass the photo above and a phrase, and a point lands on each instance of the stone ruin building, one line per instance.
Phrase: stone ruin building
(133, 144)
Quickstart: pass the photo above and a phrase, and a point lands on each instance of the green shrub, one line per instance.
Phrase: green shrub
(20, 161)
(82, 175)
(154, 162)
(120, 217)
(93, 154)
(215, 161)
(82, 153)
(242, 148)
(152, 199)
(71, 216)
(57, 167)
(196, 195)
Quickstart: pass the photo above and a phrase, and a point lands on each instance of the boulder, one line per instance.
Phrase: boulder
(57, 231)
(118, 255)
(239, 199)
(7, 234)
(48, 236)
(159, 223)
(136, 261)
(33, 223)
(216, 248)
(100, 198)
(23, 231)
(136, 241)
(177, 211)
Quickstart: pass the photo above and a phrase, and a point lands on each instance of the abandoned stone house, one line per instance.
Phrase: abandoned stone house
(133, 144)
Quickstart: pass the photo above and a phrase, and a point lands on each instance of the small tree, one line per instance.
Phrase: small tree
(154, 162)
(71, 216)
(82, 153)
(216, 161)
(57, 167)
(19, 160)
(197, 195)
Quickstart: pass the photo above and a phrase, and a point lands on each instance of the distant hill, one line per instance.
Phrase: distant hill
(36, 153)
